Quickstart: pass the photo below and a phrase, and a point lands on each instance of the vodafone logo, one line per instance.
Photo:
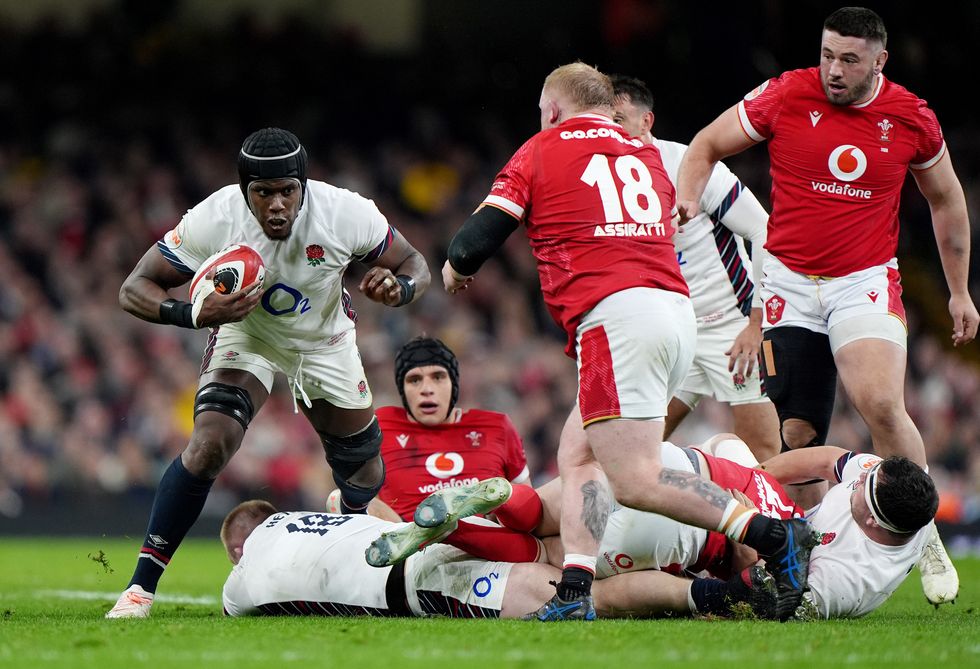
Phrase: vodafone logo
(444, 465)
(624, 561)
(847, 162)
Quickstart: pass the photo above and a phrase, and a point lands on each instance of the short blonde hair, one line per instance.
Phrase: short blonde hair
(254, 511)
(582, 86)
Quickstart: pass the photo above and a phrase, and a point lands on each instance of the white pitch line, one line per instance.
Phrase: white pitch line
(113, 596)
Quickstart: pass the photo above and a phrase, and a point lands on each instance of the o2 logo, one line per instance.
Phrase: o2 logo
(483, 585)
(281, 299)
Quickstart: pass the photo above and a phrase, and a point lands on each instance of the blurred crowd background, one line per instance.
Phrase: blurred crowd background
(117, 116)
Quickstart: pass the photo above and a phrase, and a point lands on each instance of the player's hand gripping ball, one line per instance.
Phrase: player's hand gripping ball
(235, 267)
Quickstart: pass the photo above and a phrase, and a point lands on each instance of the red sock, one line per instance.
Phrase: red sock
(523, 511)
(495, 543)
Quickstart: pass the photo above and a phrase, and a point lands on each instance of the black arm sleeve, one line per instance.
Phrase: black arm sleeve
(481, 235)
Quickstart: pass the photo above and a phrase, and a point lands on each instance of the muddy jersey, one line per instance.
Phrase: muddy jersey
(304, 303)
(597, 207)
(420, 459)
(837, 171)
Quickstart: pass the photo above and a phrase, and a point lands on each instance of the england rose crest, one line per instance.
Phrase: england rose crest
(314, 254)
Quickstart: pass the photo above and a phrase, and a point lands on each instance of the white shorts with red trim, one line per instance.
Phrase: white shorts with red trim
(634, 349)
(821, 304)
(333, 373)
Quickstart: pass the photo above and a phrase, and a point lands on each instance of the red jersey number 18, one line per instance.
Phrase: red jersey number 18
(637, 183)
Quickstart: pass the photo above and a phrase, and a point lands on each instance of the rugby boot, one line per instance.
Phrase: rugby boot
(790, 565)
(940, 582)
(458, 502)
(134, 602)
(579, 607)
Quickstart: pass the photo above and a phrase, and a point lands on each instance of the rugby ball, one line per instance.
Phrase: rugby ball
(234, 266)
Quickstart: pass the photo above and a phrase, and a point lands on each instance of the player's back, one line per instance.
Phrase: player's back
(597, 206)
(308, 563)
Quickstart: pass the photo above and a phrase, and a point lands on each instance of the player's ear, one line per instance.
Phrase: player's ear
(648, 118)
(236, 554)
(880, 61)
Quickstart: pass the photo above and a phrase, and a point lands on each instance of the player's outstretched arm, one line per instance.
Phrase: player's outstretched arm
(481, 235)
(804, 464)
(951, 224)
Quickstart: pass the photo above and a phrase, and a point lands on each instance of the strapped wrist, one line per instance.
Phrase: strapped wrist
(177, 313)
(408, 289)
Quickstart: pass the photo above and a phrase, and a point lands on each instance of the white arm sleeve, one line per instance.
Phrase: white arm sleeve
(235, 597)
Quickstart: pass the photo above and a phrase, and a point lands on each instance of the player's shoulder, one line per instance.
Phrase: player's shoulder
(671, 153)
(485, 418)
(897, 96)
(323, 192)
(391, 414)
(228, 201)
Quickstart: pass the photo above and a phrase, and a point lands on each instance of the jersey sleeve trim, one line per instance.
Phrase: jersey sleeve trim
(728, 201)
(172, 258)
(747, 127)
(378, 250)
(503, 203)
(523, 477)
(841, 463)
(932, 161)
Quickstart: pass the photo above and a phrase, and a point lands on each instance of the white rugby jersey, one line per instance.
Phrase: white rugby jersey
(302, 563)
(305, 304)
(851, 575)
(713, 260)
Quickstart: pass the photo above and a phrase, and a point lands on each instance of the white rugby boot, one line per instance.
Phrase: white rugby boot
(134, 602)
(940, 582)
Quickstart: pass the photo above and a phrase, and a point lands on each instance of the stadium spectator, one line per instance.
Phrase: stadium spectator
(307, 232)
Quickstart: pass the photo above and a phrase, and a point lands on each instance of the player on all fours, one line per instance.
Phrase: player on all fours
(722, 283)
(309, 563)
(300, 324)
(597, 206)
(841, 139)
(431, 445)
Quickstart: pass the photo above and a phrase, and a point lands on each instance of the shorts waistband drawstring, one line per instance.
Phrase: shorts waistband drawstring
(298, 386)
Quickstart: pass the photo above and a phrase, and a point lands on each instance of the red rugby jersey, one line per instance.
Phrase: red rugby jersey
(597, 206)
(420, 460)
(837, 171)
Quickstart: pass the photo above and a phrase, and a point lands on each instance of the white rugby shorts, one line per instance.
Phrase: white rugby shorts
(333, 373)
(636, 540)
(442, 580)
(870, 298)
(634, 349)
(709, 375)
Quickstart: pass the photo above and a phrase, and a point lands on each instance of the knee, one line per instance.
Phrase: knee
(209, 451)
(881, 412)
(798, 433)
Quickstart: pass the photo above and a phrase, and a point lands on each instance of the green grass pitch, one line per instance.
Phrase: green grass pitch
(53, 594)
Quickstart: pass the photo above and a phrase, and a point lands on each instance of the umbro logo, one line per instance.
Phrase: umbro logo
(402, 440)
(815, 117)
